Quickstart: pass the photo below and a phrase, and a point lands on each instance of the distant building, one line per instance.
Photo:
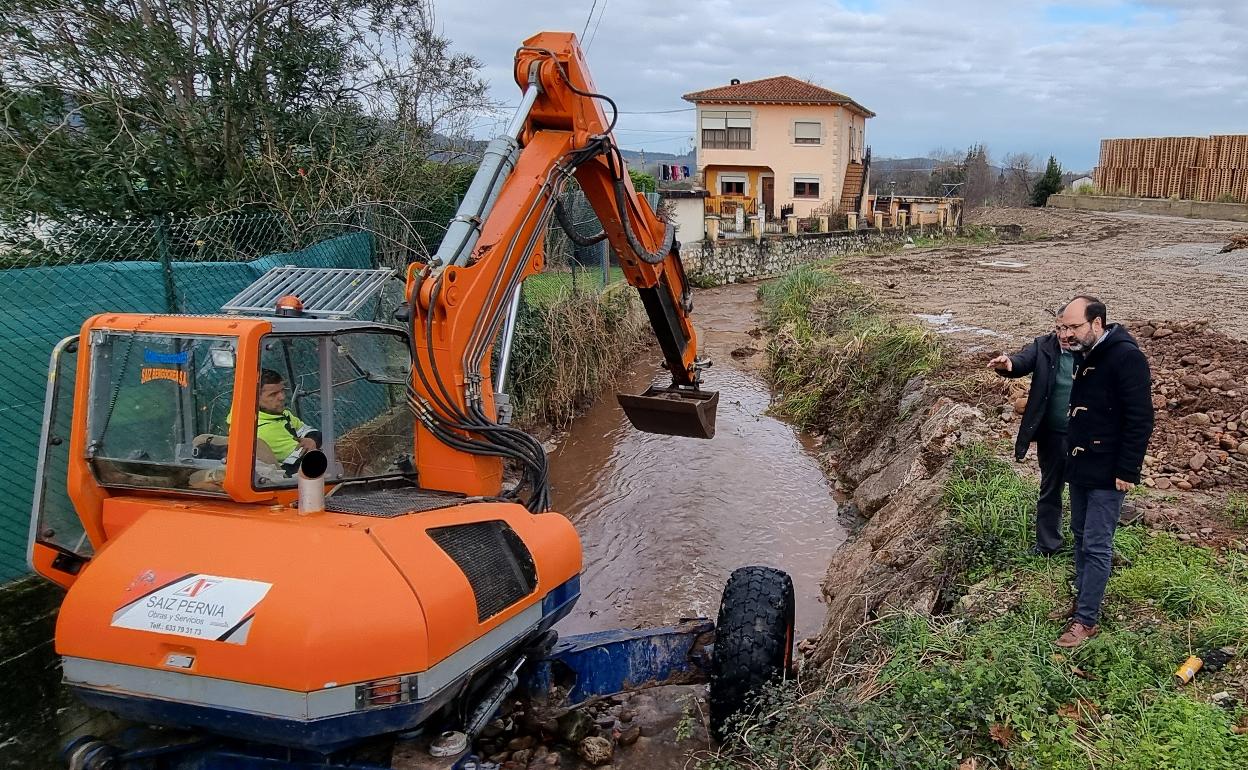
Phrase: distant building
(781, 143)
(1080, 182)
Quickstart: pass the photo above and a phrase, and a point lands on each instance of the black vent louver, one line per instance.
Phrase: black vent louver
(494, 559)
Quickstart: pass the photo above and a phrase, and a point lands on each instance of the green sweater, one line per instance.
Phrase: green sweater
(1055, 417)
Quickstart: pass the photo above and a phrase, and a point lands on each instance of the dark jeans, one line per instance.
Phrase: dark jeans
(1093, 519)
(1051, 452)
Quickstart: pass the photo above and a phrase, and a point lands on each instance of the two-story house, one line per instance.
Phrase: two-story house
(781, 142)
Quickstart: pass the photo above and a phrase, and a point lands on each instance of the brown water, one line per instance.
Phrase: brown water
(664, 520)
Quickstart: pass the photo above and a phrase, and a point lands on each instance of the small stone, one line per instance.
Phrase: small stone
(1186, 486)
(1149, 481)
(1146, 331)
(1229, 443)
(627, 715)
(1188, 359)
(1164, 483)
(1184, 536)
(574, 726)
(1232, 426)
(605, 722)
(1198, 461)
(1159, 402)
(1162, 333)
(1197, 418)
(522, 756)
(596, 751)
(521, 742)
(494, 729)
(1243, 448)
(1190, 381)
(500, 757)
(630, 736)
(1206, 530)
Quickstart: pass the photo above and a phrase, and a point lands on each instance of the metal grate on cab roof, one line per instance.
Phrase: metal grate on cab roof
(495, 560)
(324, 291)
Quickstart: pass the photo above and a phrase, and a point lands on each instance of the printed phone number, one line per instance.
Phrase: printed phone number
(174, 628)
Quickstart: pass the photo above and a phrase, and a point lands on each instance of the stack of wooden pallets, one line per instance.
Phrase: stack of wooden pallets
(1213, 168)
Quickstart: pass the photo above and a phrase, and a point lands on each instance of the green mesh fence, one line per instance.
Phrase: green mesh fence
(53, 277)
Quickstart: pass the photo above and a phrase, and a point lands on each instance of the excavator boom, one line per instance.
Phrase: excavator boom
(465, 298)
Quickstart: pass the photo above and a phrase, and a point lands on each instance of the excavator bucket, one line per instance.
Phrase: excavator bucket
(672, 411)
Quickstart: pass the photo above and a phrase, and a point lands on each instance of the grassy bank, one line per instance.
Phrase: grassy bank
(836, 361)
(568, 346)
(978, 683)
(983, 686)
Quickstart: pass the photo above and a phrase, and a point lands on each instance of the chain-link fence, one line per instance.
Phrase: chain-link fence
(53, 277)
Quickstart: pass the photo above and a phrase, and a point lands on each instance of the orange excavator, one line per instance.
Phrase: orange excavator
(271, 552)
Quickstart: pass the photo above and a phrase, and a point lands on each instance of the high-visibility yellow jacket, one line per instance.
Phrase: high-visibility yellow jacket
(281, 432)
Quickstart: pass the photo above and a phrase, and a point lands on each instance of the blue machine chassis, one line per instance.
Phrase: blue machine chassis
(578, 668)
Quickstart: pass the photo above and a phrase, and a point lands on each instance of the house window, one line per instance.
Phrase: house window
(731, 184)
(807, 132)
(805, 187)
(726, 129)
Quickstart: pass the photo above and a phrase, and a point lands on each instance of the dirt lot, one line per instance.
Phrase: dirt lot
(1162, 276)
(1143, 267)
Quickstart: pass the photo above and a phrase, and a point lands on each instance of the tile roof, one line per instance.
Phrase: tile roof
(781, 89)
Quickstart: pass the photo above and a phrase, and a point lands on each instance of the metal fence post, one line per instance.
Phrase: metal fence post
(166, 263)
(605, 250)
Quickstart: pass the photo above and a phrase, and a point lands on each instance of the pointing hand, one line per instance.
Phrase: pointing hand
(1001, 363)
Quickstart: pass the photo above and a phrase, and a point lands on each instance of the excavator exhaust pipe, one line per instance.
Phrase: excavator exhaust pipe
(672, 411)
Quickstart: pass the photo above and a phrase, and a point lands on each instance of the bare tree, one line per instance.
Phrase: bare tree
(1019, 171)
(122, 108)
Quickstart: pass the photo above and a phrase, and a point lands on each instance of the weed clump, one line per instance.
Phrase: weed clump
(837, 362)
(568, 347)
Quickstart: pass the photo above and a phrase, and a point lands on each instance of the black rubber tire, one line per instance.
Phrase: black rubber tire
(753, 640)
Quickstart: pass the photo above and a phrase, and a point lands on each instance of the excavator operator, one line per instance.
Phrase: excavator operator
(278, 429)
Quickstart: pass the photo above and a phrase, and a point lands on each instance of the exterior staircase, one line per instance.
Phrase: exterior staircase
(851, 191)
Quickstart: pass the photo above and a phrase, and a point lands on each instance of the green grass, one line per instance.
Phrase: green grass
(970, 235)
(837, 362)
(985, 680)
(546, 288)
(1237, 509)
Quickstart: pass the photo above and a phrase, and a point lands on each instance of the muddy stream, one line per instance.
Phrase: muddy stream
(664, 520)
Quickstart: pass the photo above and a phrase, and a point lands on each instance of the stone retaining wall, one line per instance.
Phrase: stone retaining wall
(1234, 212)
(730, 260)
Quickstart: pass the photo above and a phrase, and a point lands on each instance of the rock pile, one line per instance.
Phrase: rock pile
(1200, 398)
(525, 740)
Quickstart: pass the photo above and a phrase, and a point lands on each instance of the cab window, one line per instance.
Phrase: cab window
(159, 408)
(343, 393)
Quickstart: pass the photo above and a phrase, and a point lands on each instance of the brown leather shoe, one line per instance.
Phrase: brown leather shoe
(1063, 613)
(1076, 634)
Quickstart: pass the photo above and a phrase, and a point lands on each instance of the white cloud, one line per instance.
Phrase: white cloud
(1036, 77)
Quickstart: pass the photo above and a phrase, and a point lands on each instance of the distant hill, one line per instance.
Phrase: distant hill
(907, 164)
(686, 159)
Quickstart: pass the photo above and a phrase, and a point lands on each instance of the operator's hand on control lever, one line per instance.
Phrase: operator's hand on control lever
(1001, 363)
(307, 443)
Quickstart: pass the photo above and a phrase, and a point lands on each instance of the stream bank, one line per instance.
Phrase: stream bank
(937, 652)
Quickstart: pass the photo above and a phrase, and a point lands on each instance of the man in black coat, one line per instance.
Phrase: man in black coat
(1051, 367)
(1111, 421)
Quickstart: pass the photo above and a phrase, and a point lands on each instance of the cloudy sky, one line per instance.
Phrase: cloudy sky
(1039, 77)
